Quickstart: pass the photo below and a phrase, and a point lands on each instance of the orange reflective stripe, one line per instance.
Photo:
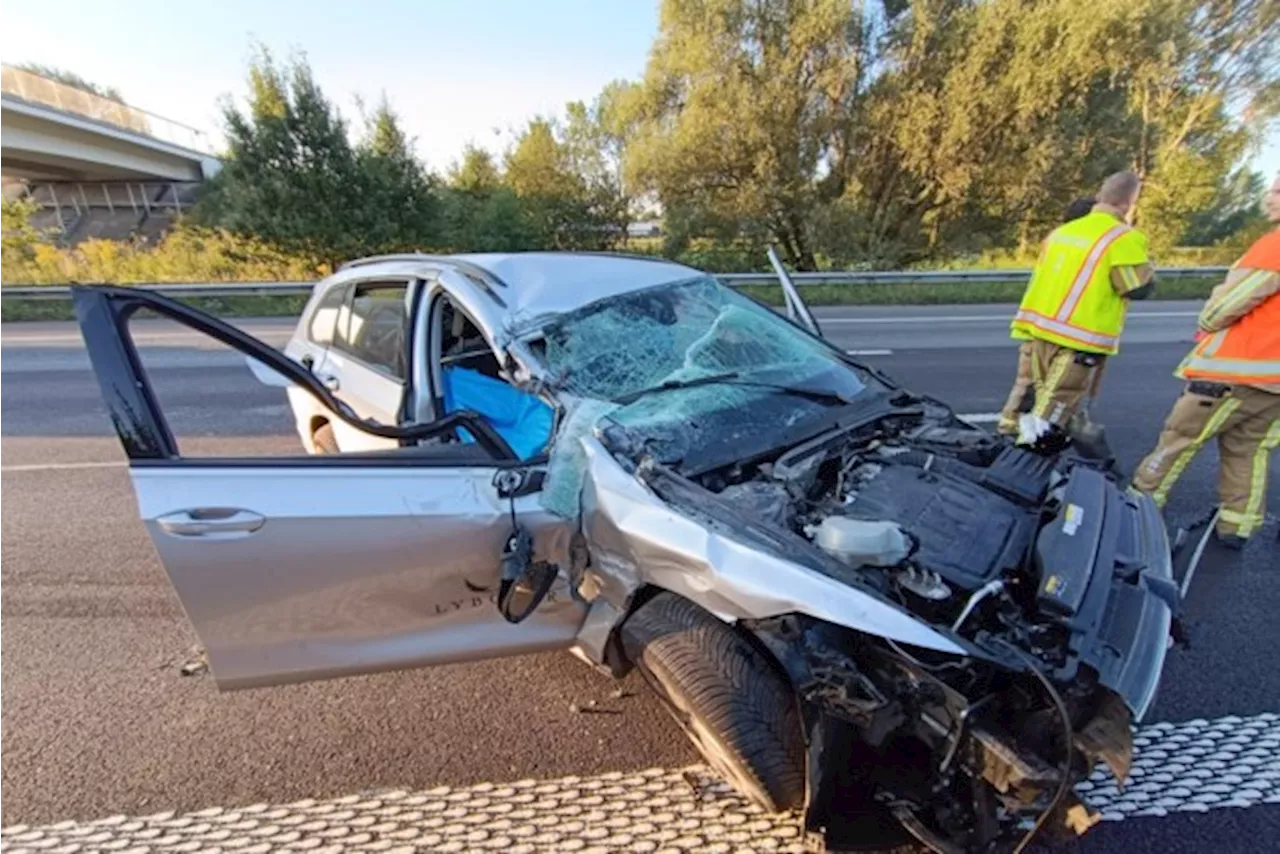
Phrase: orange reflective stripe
(1244, 370)
(1086, 271)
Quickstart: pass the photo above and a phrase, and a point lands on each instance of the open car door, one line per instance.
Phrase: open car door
(302, 567)
(797, 310)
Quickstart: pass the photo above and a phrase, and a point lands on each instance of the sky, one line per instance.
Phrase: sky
(457, 71)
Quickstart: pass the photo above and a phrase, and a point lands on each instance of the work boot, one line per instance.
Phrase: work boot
(1234, 542)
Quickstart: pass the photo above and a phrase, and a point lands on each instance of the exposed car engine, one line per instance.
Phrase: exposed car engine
(1039, 561)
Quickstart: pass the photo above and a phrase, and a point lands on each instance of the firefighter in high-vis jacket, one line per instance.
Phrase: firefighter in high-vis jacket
(1074, 308)
(1233, 391)
(1017, 400)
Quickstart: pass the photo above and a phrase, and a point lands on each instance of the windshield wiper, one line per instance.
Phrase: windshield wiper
(671, 385)
(735, 378)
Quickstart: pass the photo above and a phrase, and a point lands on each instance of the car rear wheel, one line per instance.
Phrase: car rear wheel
(322, 438)
(726, 695)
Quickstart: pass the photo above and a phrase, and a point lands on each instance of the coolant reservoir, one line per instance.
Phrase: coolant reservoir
(862, 543)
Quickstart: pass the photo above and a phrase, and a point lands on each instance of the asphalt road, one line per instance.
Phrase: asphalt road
(97, 719)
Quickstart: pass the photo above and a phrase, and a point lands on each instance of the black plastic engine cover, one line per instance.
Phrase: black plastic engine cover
(1020, 475)
(967, 533)
(1067, 548)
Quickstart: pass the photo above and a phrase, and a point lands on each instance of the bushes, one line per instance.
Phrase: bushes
(186, 254)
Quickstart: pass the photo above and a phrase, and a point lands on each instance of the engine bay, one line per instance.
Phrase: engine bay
(1055, 581)
(946, 518)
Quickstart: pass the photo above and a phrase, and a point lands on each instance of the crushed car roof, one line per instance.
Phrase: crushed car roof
(555, 282)
(535, 284)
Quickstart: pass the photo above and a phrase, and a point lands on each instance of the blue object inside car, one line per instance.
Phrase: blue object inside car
(520, 418)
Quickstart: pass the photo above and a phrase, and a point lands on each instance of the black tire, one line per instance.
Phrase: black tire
(726, 695)
(323, 439)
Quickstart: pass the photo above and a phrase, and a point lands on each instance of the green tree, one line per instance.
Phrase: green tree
(399, 199)
(595, 137)
(293, 178)
(486, 221)
(475, 172)
(1237, 208)
(481, 213)
(889, 132)
(291, 175)
(19, 236)
(1197, 67)
(980, 123)
(563, 184)
(742, 104)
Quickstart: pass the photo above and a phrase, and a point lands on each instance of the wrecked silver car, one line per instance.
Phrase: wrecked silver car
(856, 605)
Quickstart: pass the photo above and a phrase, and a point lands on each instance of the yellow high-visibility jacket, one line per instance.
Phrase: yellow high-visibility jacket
(1077, 294)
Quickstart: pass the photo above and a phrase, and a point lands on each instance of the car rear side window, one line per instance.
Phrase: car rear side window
(324, 320)
(373, 328)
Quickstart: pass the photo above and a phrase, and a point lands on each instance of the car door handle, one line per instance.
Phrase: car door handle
(330, 382)
(211, 521)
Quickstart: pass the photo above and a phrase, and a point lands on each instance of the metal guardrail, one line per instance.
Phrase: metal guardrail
(736, 280)
(210, 289)
(931, 277)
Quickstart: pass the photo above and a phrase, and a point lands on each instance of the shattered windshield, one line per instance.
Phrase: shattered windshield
(694, 363)
(683, 332)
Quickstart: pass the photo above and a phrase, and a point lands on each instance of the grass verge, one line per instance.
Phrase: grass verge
(12, 309)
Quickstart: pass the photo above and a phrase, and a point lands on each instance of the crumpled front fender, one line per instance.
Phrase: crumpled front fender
(637, 539)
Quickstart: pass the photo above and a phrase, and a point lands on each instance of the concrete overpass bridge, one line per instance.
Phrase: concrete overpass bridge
(97, 167)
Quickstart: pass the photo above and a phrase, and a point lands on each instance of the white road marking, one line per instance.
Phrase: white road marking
(111, 464)
(971, 318)
(1199, 552)
(140, 337)
(1188, 767)
(869, 352)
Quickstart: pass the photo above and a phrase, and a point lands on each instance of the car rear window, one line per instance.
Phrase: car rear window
(325, 318)
(373, 328)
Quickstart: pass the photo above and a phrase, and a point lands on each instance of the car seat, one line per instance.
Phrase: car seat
(522, 419)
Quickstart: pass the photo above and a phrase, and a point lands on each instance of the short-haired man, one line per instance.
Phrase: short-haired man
(1073, 311)
(1233, 391)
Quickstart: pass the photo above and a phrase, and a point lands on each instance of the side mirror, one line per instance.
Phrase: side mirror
(525, 584)
(520, 598)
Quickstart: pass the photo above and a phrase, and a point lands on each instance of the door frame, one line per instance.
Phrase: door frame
(104, 311)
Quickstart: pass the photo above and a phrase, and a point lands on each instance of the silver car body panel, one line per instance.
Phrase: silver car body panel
(636, 538)
(353, 569)
(544, 284)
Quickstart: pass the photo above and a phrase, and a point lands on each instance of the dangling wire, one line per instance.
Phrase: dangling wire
(1064, 782)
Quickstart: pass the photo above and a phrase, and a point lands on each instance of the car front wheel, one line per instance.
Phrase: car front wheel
(726, 695)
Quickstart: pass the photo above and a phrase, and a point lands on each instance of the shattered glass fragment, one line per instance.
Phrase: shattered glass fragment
(567, 464)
